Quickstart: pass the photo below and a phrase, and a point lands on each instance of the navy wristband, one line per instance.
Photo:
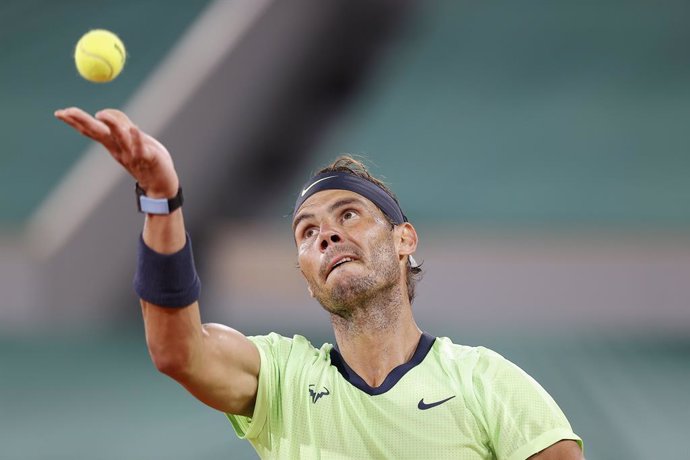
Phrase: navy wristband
(167, 280)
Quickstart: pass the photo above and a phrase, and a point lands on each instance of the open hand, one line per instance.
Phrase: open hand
(146, 159)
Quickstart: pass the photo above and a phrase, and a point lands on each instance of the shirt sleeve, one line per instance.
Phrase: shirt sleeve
(520, 417)
(271, 349)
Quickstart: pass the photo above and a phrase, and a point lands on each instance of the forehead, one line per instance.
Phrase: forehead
(322, 200)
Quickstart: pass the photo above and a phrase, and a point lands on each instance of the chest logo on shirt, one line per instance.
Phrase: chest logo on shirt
(424, 406)
(316, 395)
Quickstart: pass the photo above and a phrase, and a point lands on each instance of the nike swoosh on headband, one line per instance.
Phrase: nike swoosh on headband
(315, 182)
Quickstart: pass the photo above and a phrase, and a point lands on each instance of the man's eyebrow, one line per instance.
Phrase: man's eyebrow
(344, 202)
(331, 208)
(300, 218)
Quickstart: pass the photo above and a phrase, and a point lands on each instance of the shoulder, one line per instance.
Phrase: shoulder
(476, 358)
(492, 382)
(480, 369)
(279, 347)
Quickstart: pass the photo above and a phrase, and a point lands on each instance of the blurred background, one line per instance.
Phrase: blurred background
(540, 148)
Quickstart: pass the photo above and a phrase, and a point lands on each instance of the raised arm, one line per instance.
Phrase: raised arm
(215, 363)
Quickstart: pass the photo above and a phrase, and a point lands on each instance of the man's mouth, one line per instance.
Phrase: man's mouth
(338, 263)
(342, 261)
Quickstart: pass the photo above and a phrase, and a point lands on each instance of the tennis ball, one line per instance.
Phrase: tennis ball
(100, 56)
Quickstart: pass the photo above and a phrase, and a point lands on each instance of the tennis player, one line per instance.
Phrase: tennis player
(386, 390)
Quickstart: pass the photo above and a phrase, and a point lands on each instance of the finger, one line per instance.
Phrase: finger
(77, 114)
(119, 125)
(97, 132)
(77, 118)
(72, 111)
(105, 140)
(117, 114)
(138, 147)
(89, 127)
(113, 124)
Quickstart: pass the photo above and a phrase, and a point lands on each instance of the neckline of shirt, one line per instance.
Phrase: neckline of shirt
(426, 341)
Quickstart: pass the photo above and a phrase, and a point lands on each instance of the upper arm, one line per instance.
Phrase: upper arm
(562, 450)
(215, 363)
(225, 374)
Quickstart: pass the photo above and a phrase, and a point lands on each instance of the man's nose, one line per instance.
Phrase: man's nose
(329, 236)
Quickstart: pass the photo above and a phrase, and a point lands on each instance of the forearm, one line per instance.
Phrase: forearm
(173, 335)
(165, 234)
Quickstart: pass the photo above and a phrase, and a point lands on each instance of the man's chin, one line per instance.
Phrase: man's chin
(344, 282)
(344, 294)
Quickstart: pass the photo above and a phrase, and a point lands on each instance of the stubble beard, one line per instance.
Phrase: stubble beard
(372, 299)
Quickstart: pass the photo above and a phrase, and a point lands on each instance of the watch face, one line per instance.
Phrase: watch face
(157, 205)
(154, 205)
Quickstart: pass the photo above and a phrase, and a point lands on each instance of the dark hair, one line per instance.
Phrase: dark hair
(347, 164)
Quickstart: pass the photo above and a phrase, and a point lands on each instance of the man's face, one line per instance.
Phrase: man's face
(345, 249)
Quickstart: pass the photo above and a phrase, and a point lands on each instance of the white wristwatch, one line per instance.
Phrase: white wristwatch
(159, 206)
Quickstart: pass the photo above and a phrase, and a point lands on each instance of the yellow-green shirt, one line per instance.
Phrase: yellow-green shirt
(448, 402)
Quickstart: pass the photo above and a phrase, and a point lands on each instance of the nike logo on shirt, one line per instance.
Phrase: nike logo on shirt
(316, 182)
(424, 406)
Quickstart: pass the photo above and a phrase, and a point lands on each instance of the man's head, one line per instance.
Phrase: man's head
(353, 240)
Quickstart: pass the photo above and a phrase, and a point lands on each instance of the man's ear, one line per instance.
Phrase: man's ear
(407, 239)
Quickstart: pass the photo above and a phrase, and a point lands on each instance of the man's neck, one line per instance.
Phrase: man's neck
(374, 341)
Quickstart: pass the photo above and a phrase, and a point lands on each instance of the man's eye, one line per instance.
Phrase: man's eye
(308, 233)
(349, 215)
